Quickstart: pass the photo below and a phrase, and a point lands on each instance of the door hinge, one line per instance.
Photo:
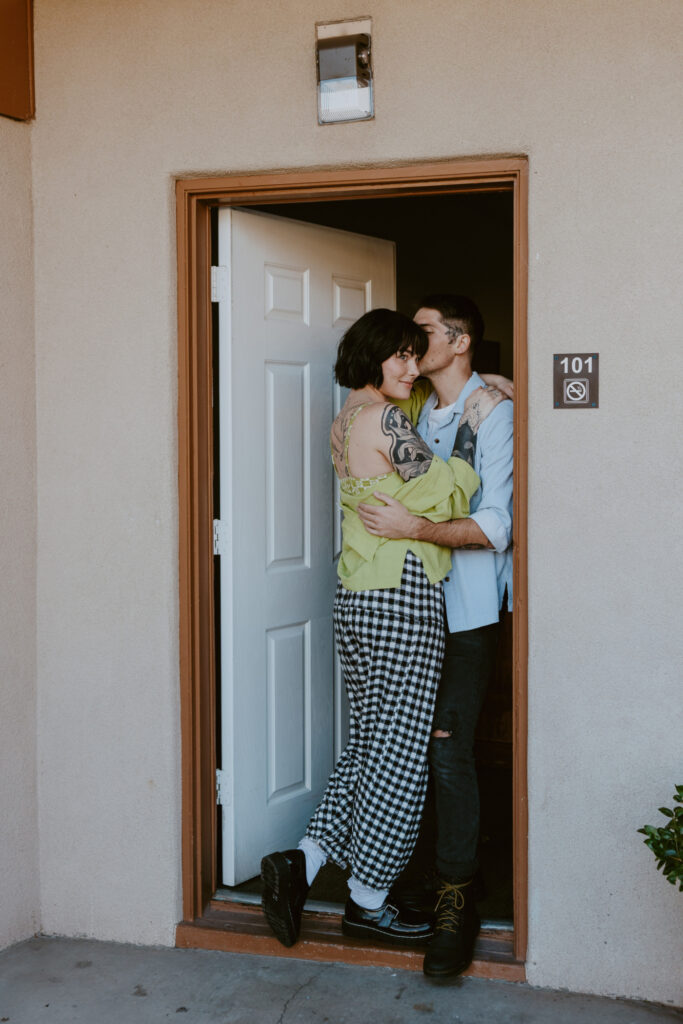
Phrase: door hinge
(221, 787)
(219, 284)
(220, 539)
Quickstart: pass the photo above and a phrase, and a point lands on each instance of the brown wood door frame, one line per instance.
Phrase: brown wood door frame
(194, 199)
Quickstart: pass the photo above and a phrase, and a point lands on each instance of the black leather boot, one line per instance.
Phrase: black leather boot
(457, 926)
(385, 924)
(284, 893)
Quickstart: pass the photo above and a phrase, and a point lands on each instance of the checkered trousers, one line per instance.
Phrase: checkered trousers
(391, 645)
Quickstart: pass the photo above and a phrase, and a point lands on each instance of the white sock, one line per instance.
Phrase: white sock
(315, 857)
(365, 897)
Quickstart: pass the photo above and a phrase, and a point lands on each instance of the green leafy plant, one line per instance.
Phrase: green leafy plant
(666, 842)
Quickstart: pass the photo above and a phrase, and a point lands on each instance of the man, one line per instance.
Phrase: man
(474, 592)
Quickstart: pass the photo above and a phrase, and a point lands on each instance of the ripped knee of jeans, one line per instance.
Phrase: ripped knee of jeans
(444, 724)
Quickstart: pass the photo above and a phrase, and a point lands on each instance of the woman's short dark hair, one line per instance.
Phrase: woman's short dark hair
(375, 337)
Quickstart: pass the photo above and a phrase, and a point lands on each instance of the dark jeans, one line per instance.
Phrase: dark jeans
(468, 665)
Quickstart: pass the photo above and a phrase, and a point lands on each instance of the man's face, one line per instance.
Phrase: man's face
(442, 341)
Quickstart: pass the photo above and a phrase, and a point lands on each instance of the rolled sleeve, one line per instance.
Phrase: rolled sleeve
(496, 526)
(493, 511)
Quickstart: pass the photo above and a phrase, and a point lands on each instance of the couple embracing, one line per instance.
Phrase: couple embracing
(425, 472)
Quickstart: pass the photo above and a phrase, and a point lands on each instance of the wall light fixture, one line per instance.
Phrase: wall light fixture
(344, 59)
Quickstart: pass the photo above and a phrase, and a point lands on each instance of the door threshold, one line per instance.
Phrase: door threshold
(235, 927)
(253, 899)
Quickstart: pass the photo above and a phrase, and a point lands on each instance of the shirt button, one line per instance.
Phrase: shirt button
(448, 579)
(436, 440)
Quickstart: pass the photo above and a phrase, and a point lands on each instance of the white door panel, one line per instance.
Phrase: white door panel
(293, 290)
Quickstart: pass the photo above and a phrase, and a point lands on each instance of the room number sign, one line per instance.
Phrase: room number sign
(576, 380)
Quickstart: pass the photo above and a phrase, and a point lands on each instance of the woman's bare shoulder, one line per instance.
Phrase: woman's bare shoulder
(354, 414)
(388, 429)
(373, 418)
(356, 426)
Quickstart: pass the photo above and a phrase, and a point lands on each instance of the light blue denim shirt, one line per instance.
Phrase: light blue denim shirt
(475, 587)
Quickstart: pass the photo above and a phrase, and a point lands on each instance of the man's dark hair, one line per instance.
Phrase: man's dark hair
(376, 336)
(460, 312)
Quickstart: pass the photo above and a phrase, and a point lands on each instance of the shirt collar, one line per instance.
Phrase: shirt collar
(472, 384)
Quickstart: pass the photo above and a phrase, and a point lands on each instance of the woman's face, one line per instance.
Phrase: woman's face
(399, 373)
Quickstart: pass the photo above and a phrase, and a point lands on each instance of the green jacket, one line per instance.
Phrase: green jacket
(443, 492)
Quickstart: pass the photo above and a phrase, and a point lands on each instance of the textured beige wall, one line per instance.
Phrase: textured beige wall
(133, 94)
(19, 896)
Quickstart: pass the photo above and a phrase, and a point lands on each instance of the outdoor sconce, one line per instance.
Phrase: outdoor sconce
(343, 55)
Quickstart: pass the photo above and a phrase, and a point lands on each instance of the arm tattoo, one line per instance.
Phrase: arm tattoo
(465, 444)
(408, 453)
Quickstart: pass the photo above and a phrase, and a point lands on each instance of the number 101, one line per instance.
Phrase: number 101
(577, 364)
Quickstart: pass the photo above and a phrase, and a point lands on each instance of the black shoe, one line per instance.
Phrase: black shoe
(284, 893)
(457, 926)
(385, 924)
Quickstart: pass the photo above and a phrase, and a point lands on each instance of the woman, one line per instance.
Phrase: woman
(389, 629)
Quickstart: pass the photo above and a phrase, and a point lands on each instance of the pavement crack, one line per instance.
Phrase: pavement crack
(293, 996)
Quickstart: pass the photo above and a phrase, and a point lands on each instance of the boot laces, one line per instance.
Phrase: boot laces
(450, 905)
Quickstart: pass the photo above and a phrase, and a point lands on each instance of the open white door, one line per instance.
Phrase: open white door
(287, 292)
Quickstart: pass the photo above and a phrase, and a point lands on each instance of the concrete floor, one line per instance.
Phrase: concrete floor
(73, 981)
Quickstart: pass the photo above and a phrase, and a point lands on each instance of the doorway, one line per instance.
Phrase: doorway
(385, 252)
(400, 204)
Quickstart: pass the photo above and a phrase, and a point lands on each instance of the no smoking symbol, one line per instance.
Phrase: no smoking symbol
(576, 390)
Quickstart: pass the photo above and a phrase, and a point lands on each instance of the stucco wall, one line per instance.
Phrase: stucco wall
(133, 94)
(19, 897)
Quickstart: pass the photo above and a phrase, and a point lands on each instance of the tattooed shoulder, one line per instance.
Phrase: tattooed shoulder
(337, 439)
(408, 453)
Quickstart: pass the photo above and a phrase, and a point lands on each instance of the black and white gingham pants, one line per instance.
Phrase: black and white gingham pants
(391, 645)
